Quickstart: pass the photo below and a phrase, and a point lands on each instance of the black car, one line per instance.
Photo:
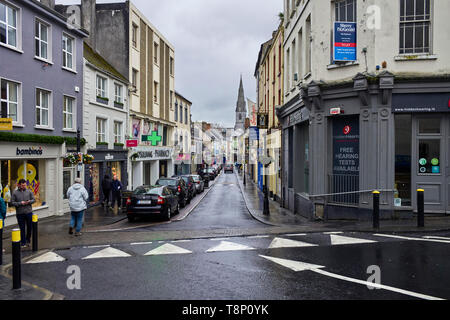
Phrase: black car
(212, 173)
(152, 201)
(178, 187)
(190, 183)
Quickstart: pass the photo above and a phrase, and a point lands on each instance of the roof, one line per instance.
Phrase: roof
(181, 96)
(98, 61)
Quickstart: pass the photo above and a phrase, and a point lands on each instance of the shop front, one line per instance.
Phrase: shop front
(183, 164)
(106, 162)
(149, 164)
(40, 166)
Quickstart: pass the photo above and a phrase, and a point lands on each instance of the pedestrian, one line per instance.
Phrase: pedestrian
(22, 199)
(2, 213)
(116, 188)
(78, 197)
(106, 187)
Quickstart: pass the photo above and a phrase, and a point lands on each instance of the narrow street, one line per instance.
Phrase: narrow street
(263, 267)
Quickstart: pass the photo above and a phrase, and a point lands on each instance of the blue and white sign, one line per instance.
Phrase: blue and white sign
(345, 43)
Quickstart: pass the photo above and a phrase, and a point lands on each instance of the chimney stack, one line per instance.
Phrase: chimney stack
(49, 3)
(88, 21)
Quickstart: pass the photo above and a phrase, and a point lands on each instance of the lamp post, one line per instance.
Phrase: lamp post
(78, 151)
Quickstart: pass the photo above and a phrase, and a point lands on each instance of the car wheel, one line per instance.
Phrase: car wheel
(178, 208)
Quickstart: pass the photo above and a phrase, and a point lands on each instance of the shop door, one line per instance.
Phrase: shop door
(430, 161)
(163, 168)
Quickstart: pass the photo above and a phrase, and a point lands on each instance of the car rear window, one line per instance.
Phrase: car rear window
(148, 190)
(196, 178)
(186, 179)
(167, 182)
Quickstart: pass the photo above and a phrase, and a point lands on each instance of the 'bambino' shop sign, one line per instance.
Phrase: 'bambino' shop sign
(31, 151)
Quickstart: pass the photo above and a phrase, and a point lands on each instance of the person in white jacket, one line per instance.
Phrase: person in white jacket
(78, 197)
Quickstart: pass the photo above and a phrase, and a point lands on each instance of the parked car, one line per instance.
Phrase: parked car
(212, 173)
(190, 183)
(178, 187)
(152, 201)
(228, 168)
(199, 183)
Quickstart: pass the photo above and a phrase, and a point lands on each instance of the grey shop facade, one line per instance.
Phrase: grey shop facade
(387, 133)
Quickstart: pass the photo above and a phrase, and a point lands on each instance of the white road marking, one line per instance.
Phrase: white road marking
(218, 239)
(167, 249)
(229, 246)
(295, 235)
(333, 232)
(409, 238)
(257, 237)
(434, 237)
(341, 240)
(287, 243)
(139, 243)
(302, 266)
(47, 257)
(107, 253)
(95, 247)
(175, 241)
(293, 265)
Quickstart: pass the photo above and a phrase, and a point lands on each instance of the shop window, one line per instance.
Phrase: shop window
(69, 176)
(429, 156)
(403, 138)
(430, 126)
(93, 183)
(33, 171)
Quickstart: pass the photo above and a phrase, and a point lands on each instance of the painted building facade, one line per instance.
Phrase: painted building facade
(36, 40)
(376, 121)
(182, 117)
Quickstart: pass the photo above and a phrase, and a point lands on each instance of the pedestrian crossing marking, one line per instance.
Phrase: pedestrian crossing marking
(107, 253)
(287, 243)
(341, 240)
(333, 232)
(139, 243)
(167, 249)
(48, 257)
(293, 265)
(229, 246)
(295, 235)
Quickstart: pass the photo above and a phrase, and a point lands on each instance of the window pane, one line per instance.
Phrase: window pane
(2, 33)
(409, 9)
(45, 98)
(44, 31)
(429, 156)
(44, 117)
(43, 50)
(12, 111)
(3, 89)
(36, 46)
(420, 9)
(2, 12)
(430, 126)
(12, 37)
(419, 38)
(36, 29)
(38, 116)
(402, 9)
(12, 17)
(69, 45)
(69, 121)
(12, 87)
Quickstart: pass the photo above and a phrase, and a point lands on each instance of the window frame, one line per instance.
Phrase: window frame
(134, 35)
(38, 39)
(404, 23)
(100, 133)
(118, 98)
(118, 136)
(65, 52)
(104, 90)
(49, 109)
(18, 121)
(73, 113)
(17, 28)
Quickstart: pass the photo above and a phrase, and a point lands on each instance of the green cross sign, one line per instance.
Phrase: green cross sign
(154, 138)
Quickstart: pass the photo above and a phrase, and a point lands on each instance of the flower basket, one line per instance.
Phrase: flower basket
(88, 158)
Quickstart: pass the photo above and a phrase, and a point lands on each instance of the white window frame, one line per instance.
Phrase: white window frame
(404, 23)
(18, 122)
(66, 53)
(103, 90)
(156, 53)
(48, 42)
(118, 97)
(40, 107)
(156, 92)
(73, 113)
(134, 35)
(118, 136)
(100, 133)
(8, 26)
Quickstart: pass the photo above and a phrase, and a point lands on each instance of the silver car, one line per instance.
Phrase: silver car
(199, 183)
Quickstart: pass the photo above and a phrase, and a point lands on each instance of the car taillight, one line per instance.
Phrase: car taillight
(128, 201)
(179, 189)
(161, 200)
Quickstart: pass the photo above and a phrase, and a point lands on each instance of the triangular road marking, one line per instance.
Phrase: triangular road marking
(229, 246)
(167, 249)
(287, 243)
(47, 257)
(293, 265)
(340, 240)
(107, 253)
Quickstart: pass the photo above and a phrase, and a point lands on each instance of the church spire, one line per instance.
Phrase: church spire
(240, 106)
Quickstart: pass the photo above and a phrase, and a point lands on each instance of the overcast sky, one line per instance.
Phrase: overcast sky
(215, 41)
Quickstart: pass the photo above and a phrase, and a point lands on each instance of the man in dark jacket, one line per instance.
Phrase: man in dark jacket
(116, 188)
(106, 187)
(22, 199)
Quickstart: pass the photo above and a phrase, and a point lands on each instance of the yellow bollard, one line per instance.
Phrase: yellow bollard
(17, 281)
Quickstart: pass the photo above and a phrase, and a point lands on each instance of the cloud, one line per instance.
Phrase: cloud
(215, 41)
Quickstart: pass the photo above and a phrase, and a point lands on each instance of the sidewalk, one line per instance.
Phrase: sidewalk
(280, 217)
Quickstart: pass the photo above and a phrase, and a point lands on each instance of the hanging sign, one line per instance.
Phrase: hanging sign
(345, 41)
(6, 124)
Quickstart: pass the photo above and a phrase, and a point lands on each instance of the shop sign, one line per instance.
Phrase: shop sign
(132, 143)
(31, 151)
(345, 41)
(253, 113)
(346, 146)
(149, 153)
(420, 102)
(253, 134)
(6, 124)
(109, 157)
(295, 117)
(154, 138)
(335, 111)
(263, 120)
